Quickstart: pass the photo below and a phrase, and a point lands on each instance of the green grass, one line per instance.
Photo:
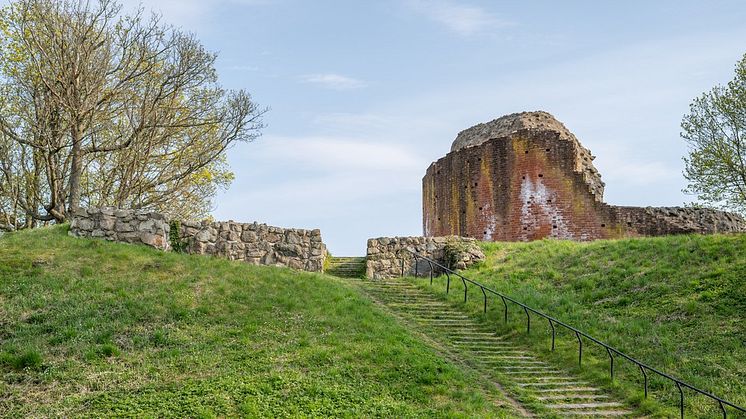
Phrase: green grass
(677, 303)
(91, 328)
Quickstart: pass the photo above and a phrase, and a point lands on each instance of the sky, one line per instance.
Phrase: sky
(364, 95)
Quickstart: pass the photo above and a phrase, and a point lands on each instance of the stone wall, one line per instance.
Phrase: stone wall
(535, 182)
(258, 244)
(254, 243)
(387, 256)
(126, 226)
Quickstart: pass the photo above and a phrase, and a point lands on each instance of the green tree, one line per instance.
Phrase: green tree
(99, 108)
(715, 131)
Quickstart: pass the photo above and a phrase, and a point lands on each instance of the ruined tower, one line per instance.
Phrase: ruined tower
(525, 176)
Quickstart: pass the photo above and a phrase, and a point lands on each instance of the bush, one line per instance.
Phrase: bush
(174, 235)
(454, 254)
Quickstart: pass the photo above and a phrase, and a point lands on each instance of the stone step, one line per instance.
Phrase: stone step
(410, 298)
(567, 406)
(487, 353)
(549, 384)
(440, 317)
(598, 414)
(574, 396)
(566, 389)
(483, 345)
(413, 312)
(531, 373)
(563, 393)
(546, 379)
(480, 335)
(463, 321)
(405, 306)
(528, 368)
(496, 359)
(346, 267)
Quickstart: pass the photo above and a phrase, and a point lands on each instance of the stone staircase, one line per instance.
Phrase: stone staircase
(547, 390)
(346, 267)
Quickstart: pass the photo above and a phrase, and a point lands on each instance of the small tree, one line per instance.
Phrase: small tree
(715, 130)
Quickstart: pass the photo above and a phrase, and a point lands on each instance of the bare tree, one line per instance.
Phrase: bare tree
(118, 110)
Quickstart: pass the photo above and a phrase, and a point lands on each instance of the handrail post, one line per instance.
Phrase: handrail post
(645, 375)
(580, 348)
(681, 399)
(725, 414)
(448, 284)
(465, 287)
(528, 321)
(431, 271)
(485, 299)
(551, 324)
(506, 309)
(611, 367)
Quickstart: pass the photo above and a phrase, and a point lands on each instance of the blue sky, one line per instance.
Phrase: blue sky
(365, 94)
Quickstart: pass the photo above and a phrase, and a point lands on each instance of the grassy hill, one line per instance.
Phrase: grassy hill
(677, 303)
(90, 328)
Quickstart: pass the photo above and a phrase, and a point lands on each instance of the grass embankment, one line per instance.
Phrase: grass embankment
(677, 303)
(99, 329)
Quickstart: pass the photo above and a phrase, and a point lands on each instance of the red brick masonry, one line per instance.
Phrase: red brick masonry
(530, 184)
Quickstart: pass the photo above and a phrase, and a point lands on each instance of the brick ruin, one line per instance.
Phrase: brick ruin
(525, 177)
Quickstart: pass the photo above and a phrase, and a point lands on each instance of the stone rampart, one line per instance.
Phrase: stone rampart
(388, 256)
(258, 244)
(126, 226)
(254, 243)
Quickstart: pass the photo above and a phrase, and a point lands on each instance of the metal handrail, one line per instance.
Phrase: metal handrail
(644, 368)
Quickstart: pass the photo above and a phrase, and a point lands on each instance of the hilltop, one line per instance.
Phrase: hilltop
(93, 328)
(677, 303)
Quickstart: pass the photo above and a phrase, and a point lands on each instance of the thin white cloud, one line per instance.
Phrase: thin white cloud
(460, 18)
(335, 154)
(334, 81)
(187, 14)
(351, 122)
(242, 68)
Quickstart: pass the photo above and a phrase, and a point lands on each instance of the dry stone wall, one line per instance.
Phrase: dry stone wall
(126, 226)
(254, 243)
(258, 244)
(388, 256)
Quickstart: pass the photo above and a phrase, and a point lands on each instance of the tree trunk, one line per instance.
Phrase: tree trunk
(76, 170)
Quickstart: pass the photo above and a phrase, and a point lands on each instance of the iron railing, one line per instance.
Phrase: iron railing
(579, 335)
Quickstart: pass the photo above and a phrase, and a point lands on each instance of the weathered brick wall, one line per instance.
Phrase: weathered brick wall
(530, 185)
(387, 257)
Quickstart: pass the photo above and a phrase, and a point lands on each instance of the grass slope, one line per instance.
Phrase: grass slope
(677, 303)
(90, 328)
